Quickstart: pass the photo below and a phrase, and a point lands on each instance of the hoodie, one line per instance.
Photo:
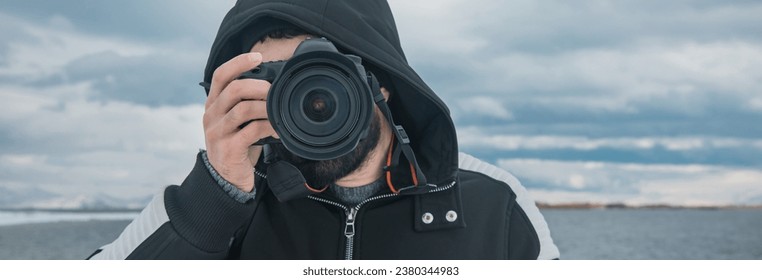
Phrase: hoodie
(366, 29)
(472, 210)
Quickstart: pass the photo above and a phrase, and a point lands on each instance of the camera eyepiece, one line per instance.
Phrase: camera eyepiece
(320, 103)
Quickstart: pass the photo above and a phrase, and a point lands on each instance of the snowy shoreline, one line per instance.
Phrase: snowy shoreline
(17, 217)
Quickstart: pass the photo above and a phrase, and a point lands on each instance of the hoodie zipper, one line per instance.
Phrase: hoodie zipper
(349, 232)
(351, 213)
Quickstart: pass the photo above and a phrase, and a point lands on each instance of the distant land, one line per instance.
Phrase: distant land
(40, 200)
(71, 210)
(589, 205)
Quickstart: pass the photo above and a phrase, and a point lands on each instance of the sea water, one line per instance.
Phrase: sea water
(579, 234)
(656, 233)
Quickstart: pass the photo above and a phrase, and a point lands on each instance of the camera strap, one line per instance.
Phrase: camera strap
(403, 144)
(287, 182)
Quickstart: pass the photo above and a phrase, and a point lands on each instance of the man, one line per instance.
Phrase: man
(370, 208)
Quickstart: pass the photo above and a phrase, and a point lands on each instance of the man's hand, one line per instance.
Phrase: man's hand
(230, 104)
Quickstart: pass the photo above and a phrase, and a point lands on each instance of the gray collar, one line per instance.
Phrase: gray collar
(353, 196)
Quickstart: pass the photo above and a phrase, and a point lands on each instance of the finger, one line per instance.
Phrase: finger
(244, 111)
(215, 133)
(230, 70)
(254, 152)
(237, 91)
(253, 132)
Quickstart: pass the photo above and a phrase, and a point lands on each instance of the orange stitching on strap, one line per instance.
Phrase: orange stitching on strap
(388, 165)
(415, 177)
(316, 190)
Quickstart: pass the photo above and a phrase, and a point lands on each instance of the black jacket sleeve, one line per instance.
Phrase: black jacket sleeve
(523, 241)
(196, 220)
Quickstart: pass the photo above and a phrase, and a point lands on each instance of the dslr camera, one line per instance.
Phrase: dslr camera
(320, 102)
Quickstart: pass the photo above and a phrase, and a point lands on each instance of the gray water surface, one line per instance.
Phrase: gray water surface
(579, 234)
(57, 240)
(656, 233)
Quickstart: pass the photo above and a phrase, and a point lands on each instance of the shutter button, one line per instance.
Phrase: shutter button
(451, 216)
(427, 218)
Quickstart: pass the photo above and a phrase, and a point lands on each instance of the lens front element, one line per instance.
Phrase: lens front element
(320, 106)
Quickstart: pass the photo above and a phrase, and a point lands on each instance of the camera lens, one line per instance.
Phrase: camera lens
(319, 106)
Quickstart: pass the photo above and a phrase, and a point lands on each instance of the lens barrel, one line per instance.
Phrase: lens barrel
(320, 103)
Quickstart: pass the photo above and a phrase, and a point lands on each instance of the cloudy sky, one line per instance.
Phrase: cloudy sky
(603, 101)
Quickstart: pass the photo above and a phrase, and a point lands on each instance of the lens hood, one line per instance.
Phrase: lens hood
(320, 103)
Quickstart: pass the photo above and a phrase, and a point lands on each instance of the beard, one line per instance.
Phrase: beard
(321, 173)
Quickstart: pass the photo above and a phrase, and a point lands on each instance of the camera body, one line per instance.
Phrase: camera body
(320, 102)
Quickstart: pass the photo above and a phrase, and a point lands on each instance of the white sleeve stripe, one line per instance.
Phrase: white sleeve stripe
(149, 220)
(548, 249)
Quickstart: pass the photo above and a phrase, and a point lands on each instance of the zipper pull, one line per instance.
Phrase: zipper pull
(349, 230)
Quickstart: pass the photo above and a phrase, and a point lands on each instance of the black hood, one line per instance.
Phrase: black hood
(364, 28)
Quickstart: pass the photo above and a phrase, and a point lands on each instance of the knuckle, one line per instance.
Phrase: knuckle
(214, 133)
(248, 110)
(237, 113)
(259, 131)
(262, 87)
(263, 84)
(254, 131)
(235, 87)
(206, 119)
(209, 134)
(219, 75)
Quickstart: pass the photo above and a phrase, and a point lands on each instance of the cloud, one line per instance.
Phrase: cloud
(546, 26)
(637, 184)
(687, 79)
(493, 142)
(58, 140)
(481, 106)
(142, 20)
(104, 99)
(90, 111)
(44, 49)
(473, 137)
(154, 79)
(22, 160)
(615, 64)
(755, 104)
(151, 74)
(642, 70)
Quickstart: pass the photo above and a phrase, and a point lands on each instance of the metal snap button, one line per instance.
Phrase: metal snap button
(451, 216)
(427, 218)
